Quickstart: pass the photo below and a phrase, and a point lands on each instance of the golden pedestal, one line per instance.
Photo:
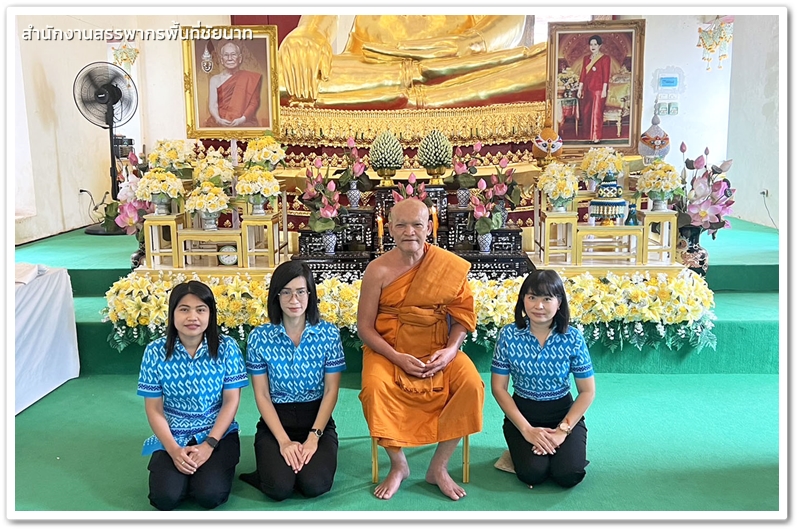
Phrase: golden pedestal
(664, 241)
(227, 236)
(153, 242)
(610, 243)
(261, 237)
(557, 220)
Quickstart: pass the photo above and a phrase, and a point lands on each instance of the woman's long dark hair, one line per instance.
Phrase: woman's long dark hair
(282, 276)
(205, 295)
(543, 283)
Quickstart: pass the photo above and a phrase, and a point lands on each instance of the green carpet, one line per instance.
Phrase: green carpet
(656, 443)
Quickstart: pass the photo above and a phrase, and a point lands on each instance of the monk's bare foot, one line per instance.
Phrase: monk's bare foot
(391, 483)
(446, 484)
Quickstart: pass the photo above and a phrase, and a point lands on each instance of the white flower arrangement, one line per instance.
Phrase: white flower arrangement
(598, 162)
(214, 167)
(568, 79)
(257, 180)
(159, 181)
(173, 153)
(264, 151)
(207, 197)
(559, 182)
(659, 180)
(615, 310)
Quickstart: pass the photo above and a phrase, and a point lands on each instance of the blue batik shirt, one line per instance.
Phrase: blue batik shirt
(296, 374)
(541, 373)
(191, 387)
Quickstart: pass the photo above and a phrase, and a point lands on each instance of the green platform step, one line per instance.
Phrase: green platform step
(746, 329)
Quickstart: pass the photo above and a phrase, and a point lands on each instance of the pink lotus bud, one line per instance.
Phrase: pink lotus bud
(331, 186)
(351, 142)
(460, 167)
(509, 173)
(489, 193)
(309, 173)
(412, 178)
(423, 195)
(310, 193)
(318, 162)
(503, 162)
(358, 168)
(479, 211)
(726, 165)
(481, 184)
(325, 201)
(458, 151)
(706, 152)
(328, 211)
(683, 147)
(474, 200)
(500, 189)
(409, 189)
(318, 179)
(336, 197)
(477, 146)
(397, 197)
(494, 179)
(700, 162)
(354, 153)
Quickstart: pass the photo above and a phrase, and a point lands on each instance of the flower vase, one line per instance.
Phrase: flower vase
(463, 194)
(659, 205)
(209, 220)
(353, 194)
(257, 201)
(485, 242)
(690, 253)
(137, 258)
(329, 242)
(162, 203)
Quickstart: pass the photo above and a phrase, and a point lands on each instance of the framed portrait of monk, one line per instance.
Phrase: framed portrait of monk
(231, 81)
(594, 83)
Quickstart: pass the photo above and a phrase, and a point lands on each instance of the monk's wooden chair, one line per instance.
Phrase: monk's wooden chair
(464, 460)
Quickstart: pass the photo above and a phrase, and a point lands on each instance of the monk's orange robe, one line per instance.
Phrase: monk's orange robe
(240, 95)
(405, 411)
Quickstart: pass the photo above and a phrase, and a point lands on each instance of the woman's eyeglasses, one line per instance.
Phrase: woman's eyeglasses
(288, 293)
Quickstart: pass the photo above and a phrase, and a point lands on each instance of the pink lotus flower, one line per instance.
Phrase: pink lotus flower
(423, 195)
(459, 153)
(412, 179)
(704, 214)
(479, 211)
(477, 146)
(683, 147)
(409, 189)
(460, 167)
(503, 162)
(354, 153)
(358, 168)
(481, 184)
(318, 162)
(397, 197)
(310, 193)
(500, 189)
(328, 211)
(128, 218)
(309, 173)
(331, 186)
(351, 142)
(494, 179)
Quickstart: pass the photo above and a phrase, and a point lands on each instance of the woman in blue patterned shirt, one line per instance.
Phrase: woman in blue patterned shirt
(295, 363)
(544, 428)
(191, 381)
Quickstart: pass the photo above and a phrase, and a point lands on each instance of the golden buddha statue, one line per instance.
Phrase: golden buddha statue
(411, 61)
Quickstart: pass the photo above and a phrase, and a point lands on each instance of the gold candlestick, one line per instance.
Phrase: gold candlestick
(435, 216)
(380, 233)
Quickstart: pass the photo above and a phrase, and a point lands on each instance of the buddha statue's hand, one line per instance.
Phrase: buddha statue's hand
(305, 57)
(419, 49)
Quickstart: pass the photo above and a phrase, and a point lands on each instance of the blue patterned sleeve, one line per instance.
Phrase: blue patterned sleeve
(149, 382)
(256, 365)
(334, 355)
(580, 362)
(235, 374)
(500, 363)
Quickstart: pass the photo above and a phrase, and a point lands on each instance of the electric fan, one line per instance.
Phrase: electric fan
(106, 96)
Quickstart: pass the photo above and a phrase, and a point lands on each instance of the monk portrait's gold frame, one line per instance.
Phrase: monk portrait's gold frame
(567, 36)
(261, 55)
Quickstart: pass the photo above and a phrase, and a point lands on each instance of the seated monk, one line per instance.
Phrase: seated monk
(417, 387)
(234, 95)
(411, 61)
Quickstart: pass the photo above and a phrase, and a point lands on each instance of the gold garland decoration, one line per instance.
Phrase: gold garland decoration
(491, 124)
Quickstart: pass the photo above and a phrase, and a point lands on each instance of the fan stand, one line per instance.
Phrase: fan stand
(98, 229)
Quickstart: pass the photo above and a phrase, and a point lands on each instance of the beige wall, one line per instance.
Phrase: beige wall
(68, 152)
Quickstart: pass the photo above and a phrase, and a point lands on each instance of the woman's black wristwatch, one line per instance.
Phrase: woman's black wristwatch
(212, 442)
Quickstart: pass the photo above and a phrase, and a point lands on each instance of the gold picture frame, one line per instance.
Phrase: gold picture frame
(573, 117)
(254, 94)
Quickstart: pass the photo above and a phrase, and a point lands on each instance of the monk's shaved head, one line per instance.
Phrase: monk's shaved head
(408, 207)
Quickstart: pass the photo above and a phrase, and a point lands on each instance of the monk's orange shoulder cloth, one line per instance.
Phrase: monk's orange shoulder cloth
(412, 316)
